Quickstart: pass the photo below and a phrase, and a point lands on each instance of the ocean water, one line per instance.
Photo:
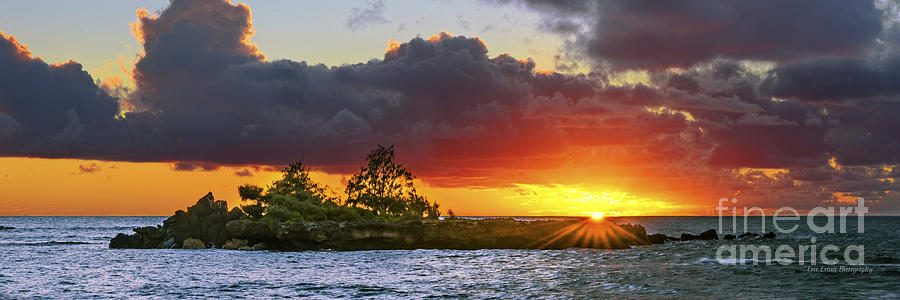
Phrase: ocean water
(68, 258)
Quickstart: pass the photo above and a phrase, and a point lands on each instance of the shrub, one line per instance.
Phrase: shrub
(253, 210)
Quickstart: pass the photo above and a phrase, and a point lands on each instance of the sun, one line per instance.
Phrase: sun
(596, 216)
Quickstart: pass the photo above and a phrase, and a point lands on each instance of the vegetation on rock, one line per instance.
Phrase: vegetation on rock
(382, 189)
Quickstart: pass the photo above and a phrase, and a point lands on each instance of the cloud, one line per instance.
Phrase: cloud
(89, 169)
(206, 96)
(194, 166)
(53, 110)
(835, 79)
(243, 173)
(764, 120)
(657, 35)
(372, 13)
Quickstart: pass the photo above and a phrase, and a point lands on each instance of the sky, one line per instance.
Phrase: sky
(499, 107)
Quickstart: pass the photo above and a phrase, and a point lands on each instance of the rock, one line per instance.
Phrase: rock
(708, 235)
(729, 237)
(660, 238)
(688, 237)
(260, 247)
(245, 248)
(167, 244)
(459, 234)
(235, 213)
(209, 223)
(234, 244)
(208, 206)
(215, 234)
(205, 221)
(748, 235)
(150, 236)
(193, 244)
(770, 235)
(143, 238)
(124, 241)
(6, 228)
(249, 230)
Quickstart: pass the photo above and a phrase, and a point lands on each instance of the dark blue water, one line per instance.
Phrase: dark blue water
(67, 257)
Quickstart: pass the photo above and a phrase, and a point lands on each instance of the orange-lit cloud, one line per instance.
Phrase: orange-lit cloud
(20, 50)
(671, 140)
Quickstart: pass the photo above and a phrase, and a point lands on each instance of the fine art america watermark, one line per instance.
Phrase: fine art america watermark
(827, 256)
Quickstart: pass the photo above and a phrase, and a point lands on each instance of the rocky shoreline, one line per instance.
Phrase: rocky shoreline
(208, 224)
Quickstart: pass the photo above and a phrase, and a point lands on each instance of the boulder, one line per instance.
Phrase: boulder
(770, 235)
(235, 213)
(708, 235)
(688, 237)
(124, 241)
(150, 236)
(6, 228)
(193, 244)
(249, 230)
(729, 237)
(207, 205)
(660, 238)
(206, 221)
(260, 247)
(234, 244)
(167, 244)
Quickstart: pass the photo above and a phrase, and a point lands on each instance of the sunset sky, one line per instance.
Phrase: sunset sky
(499, 107)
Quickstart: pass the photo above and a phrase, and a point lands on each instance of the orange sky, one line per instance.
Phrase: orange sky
(33, 186)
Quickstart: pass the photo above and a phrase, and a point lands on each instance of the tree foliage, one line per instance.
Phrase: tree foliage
(387, 188)
(382, 189)
(295, 181)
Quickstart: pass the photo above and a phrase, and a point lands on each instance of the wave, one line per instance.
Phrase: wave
(50, 243)
(741, 261)
(884, 260)
(876, 262)
(117, 228)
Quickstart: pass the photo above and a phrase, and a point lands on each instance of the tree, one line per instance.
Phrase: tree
(295, 181)
(295, 186)
(387, 187)
(249, 192)
(381, 188)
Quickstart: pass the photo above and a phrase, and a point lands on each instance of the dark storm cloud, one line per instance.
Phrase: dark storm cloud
(441, 98)
(627, 34)
(205, 97)
(834, 79)
(53, 110)
(194, 166)
(841, 79)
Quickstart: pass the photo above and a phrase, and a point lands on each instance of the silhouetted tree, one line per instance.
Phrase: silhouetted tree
(382, 187)
(387, 187)
(249, 192)
(295, 181)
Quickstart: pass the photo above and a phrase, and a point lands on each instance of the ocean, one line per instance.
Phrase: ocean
(68, 258)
